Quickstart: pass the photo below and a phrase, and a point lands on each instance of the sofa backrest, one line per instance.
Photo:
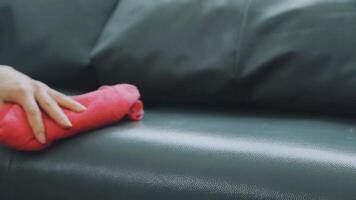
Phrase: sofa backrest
(275, 53)
(52, 40)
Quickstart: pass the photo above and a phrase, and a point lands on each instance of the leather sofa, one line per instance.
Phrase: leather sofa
(245, 99)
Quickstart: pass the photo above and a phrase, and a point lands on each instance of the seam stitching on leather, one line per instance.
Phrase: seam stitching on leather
(239, 40)
(90, 64)
(102, 30)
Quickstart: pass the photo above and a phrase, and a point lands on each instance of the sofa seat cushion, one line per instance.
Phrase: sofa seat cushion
(193, 153)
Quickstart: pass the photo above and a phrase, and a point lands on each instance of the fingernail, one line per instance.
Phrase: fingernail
(82, 108)
(66, 123)
(42, 138)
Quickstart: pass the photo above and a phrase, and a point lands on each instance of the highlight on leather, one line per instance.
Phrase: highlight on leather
(107, 105)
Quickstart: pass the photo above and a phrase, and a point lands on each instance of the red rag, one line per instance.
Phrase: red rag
(105, 106)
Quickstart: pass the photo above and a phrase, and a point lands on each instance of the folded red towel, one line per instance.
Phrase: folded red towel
(107, 105)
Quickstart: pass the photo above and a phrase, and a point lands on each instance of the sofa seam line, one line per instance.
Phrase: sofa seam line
(96, 41)
(239, 41)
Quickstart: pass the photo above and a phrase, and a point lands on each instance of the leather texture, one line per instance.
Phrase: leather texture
(185, 49)
(52, 40)
(280, 54)
(300, 54)
(274, 53)
(5, 162)
(195, 153)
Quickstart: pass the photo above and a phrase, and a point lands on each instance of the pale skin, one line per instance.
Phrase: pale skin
(32, 96)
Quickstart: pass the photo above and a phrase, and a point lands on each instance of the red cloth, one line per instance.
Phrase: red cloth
(107, 105)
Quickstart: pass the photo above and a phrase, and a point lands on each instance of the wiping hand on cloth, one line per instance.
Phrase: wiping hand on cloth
(105, 106)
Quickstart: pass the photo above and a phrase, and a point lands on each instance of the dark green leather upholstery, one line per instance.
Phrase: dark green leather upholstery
(52, 40)
(280, 54)
(186, 49)
(275, 53)
(194, 153)
(300, 54)
(5, 159)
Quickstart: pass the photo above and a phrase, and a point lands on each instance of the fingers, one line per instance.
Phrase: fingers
(67, 102)
(50, 106)
(34, 117)
(33, 95)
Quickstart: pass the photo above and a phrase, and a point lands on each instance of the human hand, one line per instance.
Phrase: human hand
(16, 87)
